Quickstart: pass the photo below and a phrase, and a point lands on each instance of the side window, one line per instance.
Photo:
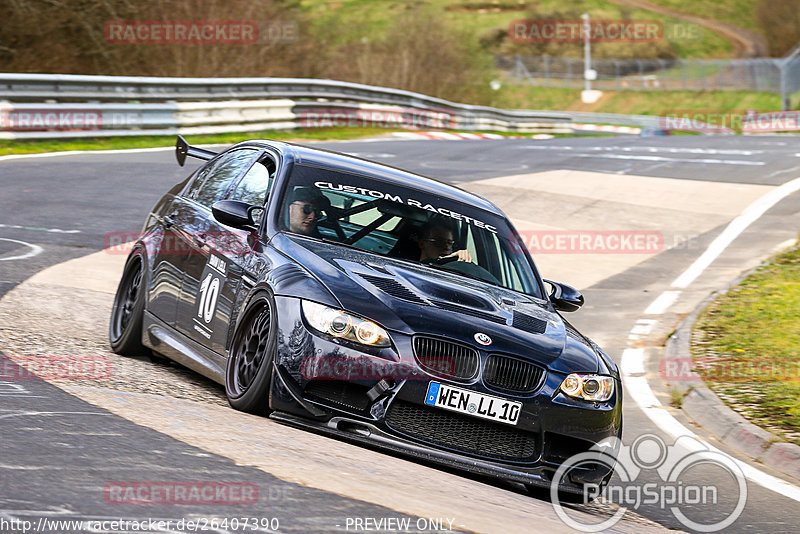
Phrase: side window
(201, 176)
(213, 182)
(254, 186)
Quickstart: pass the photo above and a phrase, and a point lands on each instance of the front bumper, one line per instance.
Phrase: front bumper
(324, 384)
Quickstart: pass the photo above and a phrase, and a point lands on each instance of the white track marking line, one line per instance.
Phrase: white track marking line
(643, 326)
(674, 160)
(733, 230)
(34, 250)
(632, 366)
(77, 152)
(662, 303)
(651, 149)
(26, 414)
(39, 229)
(632, 363)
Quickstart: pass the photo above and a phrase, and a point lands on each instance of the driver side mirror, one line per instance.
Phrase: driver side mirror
(236, 213)
(564, 298)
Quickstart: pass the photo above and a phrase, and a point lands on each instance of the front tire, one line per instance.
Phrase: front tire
(125, 327)
(248, 375)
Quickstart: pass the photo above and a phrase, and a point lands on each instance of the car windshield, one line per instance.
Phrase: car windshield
(391, 220)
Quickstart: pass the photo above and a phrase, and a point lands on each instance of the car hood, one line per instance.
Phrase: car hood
(416, 299)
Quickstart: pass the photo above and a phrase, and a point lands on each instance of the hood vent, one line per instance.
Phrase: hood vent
(379, 268)
(529, 324)
(499, 319)
(393, 288)
(574, 334)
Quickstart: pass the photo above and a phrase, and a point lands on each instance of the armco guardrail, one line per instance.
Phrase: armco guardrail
(87, 106)
(62, 120)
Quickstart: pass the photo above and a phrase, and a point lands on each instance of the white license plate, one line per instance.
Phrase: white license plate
(473, 403)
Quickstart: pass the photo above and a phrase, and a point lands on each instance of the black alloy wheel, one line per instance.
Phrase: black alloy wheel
(125, 328)
(248, 375)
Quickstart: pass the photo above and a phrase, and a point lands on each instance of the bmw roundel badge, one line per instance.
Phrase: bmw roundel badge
(483, 339)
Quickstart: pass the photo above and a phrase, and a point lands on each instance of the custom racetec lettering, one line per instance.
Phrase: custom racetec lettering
(407, 201)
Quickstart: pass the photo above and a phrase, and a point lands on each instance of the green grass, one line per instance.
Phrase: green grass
(635, 102)
(366, 20)
(750, 337)
(299, 135)
(738, 12)
(676, 398)
(110, 143)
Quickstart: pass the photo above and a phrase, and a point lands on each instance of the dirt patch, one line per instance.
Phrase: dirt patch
(746, 43)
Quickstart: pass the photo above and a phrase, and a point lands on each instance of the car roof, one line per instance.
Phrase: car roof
(326, 158)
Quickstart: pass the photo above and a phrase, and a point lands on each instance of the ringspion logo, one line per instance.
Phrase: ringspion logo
(648, 472)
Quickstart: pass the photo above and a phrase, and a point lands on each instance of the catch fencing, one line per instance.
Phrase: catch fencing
(773, 75)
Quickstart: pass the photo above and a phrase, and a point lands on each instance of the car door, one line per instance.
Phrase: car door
(193, 223)
(171, 254)
(217, 268)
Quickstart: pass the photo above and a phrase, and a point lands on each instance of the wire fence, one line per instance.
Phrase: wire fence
(760, 74)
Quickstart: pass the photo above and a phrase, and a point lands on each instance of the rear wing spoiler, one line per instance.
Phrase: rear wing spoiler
(182, 149)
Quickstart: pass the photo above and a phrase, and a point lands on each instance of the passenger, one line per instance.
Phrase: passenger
(436, 242)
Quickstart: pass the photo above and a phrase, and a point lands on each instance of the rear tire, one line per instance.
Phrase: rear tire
(125, 327)
(248, 375)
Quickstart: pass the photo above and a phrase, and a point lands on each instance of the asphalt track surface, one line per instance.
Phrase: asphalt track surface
(53, 209)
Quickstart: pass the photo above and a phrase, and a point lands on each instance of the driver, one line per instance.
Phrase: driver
(436, 242)
(305, 209)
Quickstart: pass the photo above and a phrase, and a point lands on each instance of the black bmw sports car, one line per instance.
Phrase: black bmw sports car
(370, 303)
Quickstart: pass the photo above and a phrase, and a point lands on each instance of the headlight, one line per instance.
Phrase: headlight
(588, 387)
(341, 324)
